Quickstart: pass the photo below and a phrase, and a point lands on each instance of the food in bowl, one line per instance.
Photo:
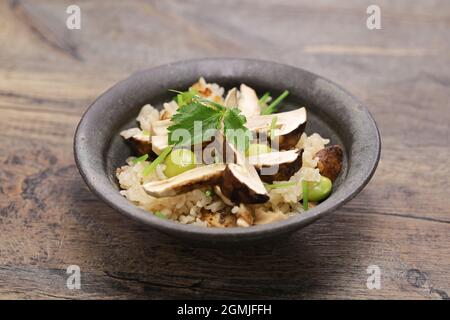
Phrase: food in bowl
(226, 160)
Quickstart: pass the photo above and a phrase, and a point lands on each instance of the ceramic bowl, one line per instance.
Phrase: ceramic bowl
(332, 112)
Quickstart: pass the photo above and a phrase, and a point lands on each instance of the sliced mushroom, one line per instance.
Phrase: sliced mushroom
(277, 166)
(231, 100)
(241, 182)
(330, 161)
(138, 140)
(159, 128)
(225, 200)
(243, 185)
(159, 143)
(187, 181)
(289, 127)
(248, 102)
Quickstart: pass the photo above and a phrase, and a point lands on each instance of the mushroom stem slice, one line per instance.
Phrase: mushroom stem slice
(187, 181)
(159, 143)
(248, 101)
(231, 100)
(277, 166)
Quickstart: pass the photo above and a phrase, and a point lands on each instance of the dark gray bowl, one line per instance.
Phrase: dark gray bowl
(332, 112)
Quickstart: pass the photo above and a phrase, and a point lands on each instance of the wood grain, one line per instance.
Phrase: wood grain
(49, 219)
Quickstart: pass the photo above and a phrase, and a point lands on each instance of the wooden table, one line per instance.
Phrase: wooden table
(50, 220)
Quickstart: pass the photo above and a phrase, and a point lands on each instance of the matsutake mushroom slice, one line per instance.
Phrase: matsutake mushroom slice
(231, 100)
(187, 181)
(241, 182)
(330, 161)
(289, 127)
(248, 102)
(243, 185)
(139, 141)
(277, 166)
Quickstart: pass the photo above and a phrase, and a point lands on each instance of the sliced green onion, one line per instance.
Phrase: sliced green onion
(280, 185)
(160, 215)
(145, 132)
(180, 101)
(209, 193)
(271, 108)
(152, 166)
(140, 159)
(264, 98)
(305, 195)
(272, 126)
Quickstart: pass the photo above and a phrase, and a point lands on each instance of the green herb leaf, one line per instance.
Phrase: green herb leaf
(280, 185)
(305, 194)
(209, 193)
(140, 159)
(186, 97)
(235, 130)
(186, 117)
(152, 166)
(272, 107)
(210, 114)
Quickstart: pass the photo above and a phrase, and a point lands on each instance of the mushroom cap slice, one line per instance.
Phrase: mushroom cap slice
(241, 185)
(241, 182)
(330, 161)
(277, 166)
(289, 126)
(186, 181)
(138, 140)
(141, 144)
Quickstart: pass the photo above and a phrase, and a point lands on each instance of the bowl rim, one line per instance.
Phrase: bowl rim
(121, 204)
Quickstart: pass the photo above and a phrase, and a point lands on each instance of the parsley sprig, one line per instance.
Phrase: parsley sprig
(212, 115)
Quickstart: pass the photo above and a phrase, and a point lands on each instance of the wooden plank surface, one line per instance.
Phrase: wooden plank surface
(49, 219)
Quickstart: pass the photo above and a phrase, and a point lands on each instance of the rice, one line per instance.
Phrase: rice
(199, 208)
